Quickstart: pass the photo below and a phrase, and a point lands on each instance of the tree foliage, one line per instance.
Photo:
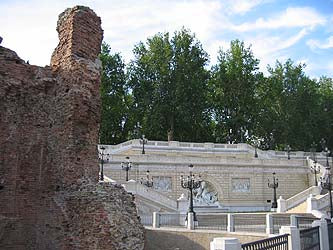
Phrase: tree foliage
(115, 99)
(169, 90)
(169, 83)
(234, 85)
(290, 110)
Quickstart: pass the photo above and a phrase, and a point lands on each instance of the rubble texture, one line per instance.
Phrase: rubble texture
(50, 197)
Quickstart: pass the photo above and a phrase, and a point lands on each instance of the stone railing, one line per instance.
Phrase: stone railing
(321, 202)
(207, 147)
(155, 158)
(149, 193)
(290, 237)
(323, 170)
(300, 197)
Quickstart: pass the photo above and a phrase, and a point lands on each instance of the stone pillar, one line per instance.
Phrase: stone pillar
(231, 225)
(190, 221)
(182, 203)
(311, 204)
(294, 242)
(224, 243)
(293, 220)
(269, 224)
(282, 205)
(173, 143)
(316, 190)
(156, 219)
(323, 233)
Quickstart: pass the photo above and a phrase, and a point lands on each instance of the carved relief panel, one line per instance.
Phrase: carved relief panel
(240, 185)
(162, 183)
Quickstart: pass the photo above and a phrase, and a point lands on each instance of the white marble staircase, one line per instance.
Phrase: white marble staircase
(310, 200)
(150, 195)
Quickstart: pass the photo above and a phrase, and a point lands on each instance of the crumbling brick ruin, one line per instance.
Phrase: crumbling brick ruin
(50, 197)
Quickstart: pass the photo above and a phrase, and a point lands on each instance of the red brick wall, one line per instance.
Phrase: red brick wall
(49, 119)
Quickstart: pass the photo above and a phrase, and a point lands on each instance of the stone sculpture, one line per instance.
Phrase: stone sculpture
(205, 194)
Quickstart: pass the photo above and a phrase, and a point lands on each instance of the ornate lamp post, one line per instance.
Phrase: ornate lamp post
(288, 148)
(255, 151)
(315, 169)
(149, 181)
(190, 182)
(274, 185)
(229, 137)
(323, 144)
(325, 149)
(126, 166)
(256, 145)
(313, 150)
(144, 141)
(102, 161)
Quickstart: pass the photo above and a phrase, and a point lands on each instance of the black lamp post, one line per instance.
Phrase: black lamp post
(288, 148)
(144, 141)
(149, 181)
(325, 149)
(315, 169)
(255, 151)
(102, 161)
(190, 182)
(313, 150)
(323, 144)
(274, 185)
(230, 137)
(126, 166)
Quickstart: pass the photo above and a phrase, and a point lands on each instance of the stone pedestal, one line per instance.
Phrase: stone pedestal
(294, 242)
(282, 206)
(323, 233)
(190, 221)
(225, 244)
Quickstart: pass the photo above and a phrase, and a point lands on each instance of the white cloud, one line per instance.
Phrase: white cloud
(214, 46)
(313, 44)
(125, 27)
(271, 48)
(125, 23)
(291, 17)
(265, 45)
(31, 31)
(242, 6)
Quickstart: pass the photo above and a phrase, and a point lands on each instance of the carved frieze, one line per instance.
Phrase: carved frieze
(162, 183)
(240, 185)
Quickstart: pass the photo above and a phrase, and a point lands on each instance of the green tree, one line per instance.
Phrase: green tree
(115, 100)
(234, 97)
(325, 111)
(169, 85)
(289, 111)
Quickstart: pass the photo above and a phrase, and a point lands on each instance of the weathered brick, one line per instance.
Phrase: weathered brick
(51, 198)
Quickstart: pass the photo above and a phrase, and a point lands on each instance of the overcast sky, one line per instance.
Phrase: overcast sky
(276, 29)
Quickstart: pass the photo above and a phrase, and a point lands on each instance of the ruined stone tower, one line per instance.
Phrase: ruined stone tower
(50, 197)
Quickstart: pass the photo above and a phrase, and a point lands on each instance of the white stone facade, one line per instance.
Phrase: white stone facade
(235, 179)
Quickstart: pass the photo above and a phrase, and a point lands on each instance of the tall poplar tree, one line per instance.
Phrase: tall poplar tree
(115, 99)
(234, 97)
(290, 108)
(169, 85)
